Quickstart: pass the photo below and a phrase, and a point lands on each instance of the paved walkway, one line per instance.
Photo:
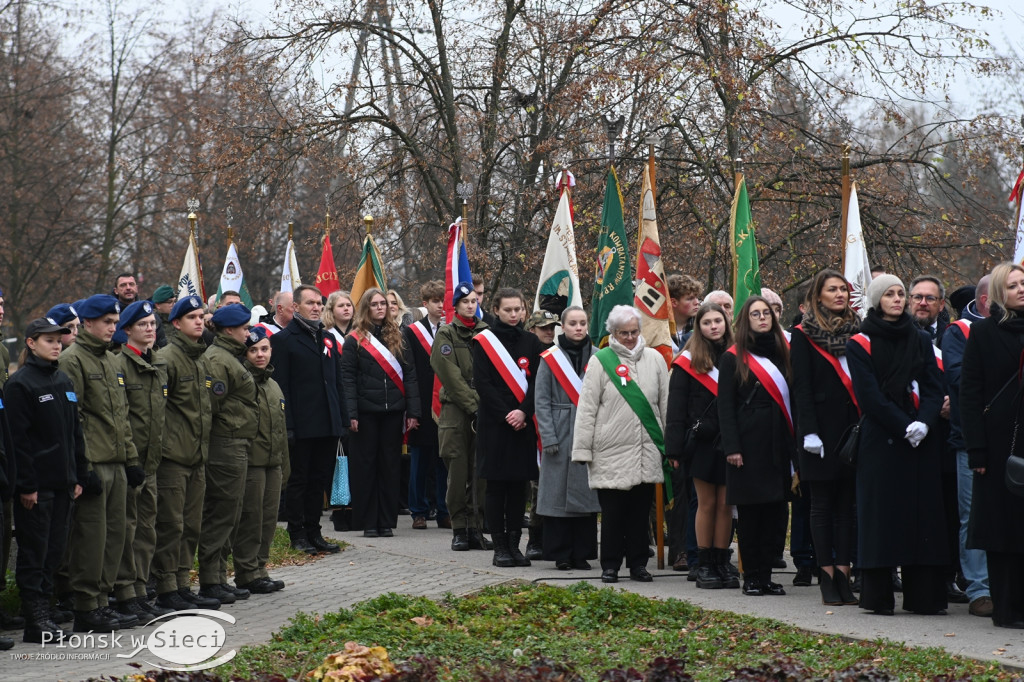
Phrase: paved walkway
(420, 563)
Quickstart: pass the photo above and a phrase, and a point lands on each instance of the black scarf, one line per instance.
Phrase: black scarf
(310, 326)
(508, 334)
(578, 352)
(1014, 323)
(895, 353)
(764, 345)
(832, 342)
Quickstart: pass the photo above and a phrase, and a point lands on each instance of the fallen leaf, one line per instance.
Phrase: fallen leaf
(422, 620)
(829, 613)
(950, 634)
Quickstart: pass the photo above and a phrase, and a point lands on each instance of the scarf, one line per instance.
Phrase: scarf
(470, 322)
(310, 326)
(895, 353)
(834, 342)
(578, 352)
(508, 334)
(764, 345)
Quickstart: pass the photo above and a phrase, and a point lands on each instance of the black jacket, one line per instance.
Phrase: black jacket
(45, 427)
(368, 388)
(307, 366)
(7, 466)
(424, 379)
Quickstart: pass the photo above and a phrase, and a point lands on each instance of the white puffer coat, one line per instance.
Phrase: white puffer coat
(608, 435)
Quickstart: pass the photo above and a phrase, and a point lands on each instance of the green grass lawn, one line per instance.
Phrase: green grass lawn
(589, 629)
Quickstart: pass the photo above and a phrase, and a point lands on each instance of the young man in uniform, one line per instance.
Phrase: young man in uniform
(233, 400)
(543, 324)
(452, 360)
(98, 529)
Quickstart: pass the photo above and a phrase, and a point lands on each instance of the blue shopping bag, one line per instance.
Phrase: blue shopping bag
(340, 493)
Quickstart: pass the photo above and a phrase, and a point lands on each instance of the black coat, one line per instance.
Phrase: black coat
(424, 380)
(504, 454)
(7, 454)
(899, 488)
(753, 425)
(42, 411)
(991, 358)
(689, 401)
(310, 379)
(369, 389)
(823, 406)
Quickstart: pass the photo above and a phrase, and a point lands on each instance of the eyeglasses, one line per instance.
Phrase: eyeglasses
(760, 314)
(918, 298)
(628, 333)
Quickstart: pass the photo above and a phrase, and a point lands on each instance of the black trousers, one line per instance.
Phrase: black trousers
(570, 539)
(312, 462)
(504, 506)
(374, 470)
(833, 520)
(758, 533)
(924, 588)
(951, 509)
(1006, 583)
(624, 530)
(42, 539)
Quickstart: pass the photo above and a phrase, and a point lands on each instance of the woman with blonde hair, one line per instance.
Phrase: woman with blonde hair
(398, 310)
(338, 315)
(382, 397)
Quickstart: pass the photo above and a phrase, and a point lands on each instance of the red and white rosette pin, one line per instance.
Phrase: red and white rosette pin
(328, 346)
(524, 365)
(623, 373)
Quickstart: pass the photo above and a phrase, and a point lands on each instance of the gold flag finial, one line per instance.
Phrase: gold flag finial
(368, 221)
(847, 147)
(291, 228)
(193, 206)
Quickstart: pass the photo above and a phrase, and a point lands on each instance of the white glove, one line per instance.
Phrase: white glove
(916, 433)
(813, 444)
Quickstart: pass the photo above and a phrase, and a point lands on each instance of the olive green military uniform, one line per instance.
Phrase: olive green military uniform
(145, 383)
(181, 473)
(98, 530)
(452, 361)
(233, 401)
(267, 453)
(8, 527)
(168, 326)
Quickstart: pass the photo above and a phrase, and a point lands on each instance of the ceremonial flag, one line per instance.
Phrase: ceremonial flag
(456, 269)
(559, 275)
(232, 278)
(290, 270)
(856, 266)
(651, 295)
(746, 274)
(1017, 196)
(612, 285)
(327, 275)
(370, 272)
(190, 281)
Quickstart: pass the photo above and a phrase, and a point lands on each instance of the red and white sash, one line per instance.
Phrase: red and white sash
(384, 357)
(561, 368)
(864, 341)
(773, 380)
(423, 335)
(514, 377)
(938, 358)
(708, 381)
(965, 327)
(840, 365)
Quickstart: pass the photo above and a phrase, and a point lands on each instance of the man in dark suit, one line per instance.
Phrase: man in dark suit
(307, 365)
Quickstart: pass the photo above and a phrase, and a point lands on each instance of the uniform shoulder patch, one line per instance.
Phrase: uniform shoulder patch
(446, 349)
(219, 388)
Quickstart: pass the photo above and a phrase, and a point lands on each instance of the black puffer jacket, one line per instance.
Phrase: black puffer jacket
(369, 389)
(45, 427)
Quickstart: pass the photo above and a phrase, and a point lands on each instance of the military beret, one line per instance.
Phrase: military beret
(163, 294)
(44, 326)
(62, 313)
(97, 306)
(256, 334)
(462, 290)
(133, 313)
(184, 306)
(232, 315)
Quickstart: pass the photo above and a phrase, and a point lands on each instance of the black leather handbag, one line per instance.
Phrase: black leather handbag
(849, 443)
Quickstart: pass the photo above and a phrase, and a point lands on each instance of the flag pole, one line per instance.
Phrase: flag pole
(368, 221)
(844, 211)
(659, 488)
(291, 228)
(737, 179)
(193, 204)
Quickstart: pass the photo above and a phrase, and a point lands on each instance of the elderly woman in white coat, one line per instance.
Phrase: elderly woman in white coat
(619, 433)
(565, 501)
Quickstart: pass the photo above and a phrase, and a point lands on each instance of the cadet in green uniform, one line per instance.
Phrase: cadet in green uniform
(98, 529)
(6, 621)
(181, 474)
(233, 401)
(267, 452)
(145, 384)
(452, 360)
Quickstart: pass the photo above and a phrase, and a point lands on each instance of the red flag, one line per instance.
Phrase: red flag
(327, 275)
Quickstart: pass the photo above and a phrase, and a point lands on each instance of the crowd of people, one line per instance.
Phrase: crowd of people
(140, 437)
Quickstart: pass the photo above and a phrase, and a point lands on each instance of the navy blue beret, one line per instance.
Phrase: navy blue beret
(462, 290)
(133, 313)
(97, 306)
(61, 314)
(184, 306)
(256, 334)
(232, 315)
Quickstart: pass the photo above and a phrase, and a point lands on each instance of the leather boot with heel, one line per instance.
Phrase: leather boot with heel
(829, 592)
(842, 581)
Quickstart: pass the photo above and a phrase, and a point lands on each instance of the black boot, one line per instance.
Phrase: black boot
(535, 544)
(726, 571)
(708, 577)
(320, 544)
(502, 558)
(829, 592)
(460, 540)
(95, 621)
(478, 541)
(38, 621)
(301, 543)
(842, 582)
(513, 548)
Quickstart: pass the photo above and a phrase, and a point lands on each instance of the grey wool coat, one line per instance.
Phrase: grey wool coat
(563, 489)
